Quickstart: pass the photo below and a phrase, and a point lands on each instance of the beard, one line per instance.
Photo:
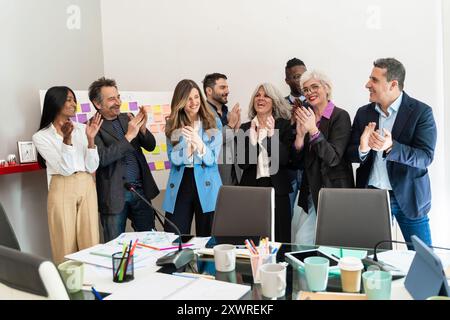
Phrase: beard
(220, 98)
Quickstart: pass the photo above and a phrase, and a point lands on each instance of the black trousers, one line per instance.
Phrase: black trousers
(282, 213)
(186, 205)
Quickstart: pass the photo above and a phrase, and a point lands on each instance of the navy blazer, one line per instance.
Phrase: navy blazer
(414, 137)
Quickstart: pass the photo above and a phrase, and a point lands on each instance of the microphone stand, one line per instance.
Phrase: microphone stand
(178, 258)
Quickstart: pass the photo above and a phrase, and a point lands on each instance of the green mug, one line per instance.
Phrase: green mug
(72, 273)
(377, 284)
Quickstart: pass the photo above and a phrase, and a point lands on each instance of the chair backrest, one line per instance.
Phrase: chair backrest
(353, 218)
(7, 235)
(25, 276)
(244, 211)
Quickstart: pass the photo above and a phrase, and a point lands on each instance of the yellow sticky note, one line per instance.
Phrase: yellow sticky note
(154, 128)
(158, 117)
(164, 147)
(78, 108)
(124, 107)
(157, 150)
(159, 165)
(145, 151)
(156, 109)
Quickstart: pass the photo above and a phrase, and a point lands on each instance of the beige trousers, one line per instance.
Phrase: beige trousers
(72, 214)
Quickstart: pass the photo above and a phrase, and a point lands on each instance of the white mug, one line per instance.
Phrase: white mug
(225, 257)
(273, 279)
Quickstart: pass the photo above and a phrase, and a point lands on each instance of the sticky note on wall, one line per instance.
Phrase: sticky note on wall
(82, 118)
(156, 109)
(164, 147)
(151, 165)
(78, 110)
(124, 107)
(157, 150)
(166, 109)
(159, 165)
(158, 117)
(154, 128)
(167, 164)
(133, 106)
(85, 107)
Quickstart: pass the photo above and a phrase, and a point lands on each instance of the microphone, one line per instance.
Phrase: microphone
(178, 258)
(384, 266)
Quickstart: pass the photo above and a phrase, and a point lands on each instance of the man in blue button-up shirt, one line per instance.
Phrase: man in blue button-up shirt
(393, 139)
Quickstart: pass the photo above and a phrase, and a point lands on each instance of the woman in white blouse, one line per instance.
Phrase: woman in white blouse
(68, 152)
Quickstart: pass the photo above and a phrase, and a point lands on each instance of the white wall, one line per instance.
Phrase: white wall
(39, 51)
(151, 45)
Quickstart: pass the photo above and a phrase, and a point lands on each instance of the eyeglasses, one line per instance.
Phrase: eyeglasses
(313, 88)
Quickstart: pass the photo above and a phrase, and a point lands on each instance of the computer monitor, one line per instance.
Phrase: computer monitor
(426, 276)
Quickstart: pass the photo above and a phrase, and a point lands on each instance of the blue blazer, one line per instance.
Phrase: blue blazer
(206, 172)
(414, 137)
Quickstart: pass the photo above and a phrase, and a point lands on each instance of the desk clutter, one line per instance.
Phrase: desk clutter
(136, 275)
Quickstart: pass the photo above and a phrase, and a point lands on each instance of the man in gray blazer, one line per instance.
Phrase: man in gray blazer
(216, 90)
(119, 144)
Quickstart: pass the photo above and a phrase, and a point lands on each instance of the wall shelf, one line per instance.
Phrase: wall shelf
(26, 167)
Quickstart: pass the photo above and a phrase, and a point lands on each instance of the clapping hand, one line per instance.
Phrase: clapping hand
(307, 119)
(234, 117)
(378, 142)
(93, 126)
(270, 126)
(193, 138)
(135, 124)
(365, 137)
(67, 129)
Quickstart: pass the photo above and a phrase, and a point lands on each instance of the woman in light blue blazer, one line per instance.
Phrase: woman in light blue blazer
(193, 147)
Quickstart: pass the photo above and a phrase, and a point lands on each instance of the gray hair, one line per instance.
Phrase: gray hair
(394, 70)
(319, 76)
(280, 109)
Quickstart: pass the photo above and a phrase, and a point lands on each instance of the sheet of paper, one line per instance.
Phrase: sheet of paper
(160, 286)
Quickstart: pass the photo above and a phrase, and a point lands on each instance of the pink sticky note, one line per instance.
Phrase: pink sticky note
(152, 167)
(158, 117)
(167, 164)
(85, 107)
(154, 128)
(82, 118)
(74, 119)
(166, 109)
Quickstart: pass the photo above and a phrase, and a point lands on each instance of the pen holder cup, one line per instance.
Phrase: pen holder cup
(123, 267)
(257, 261)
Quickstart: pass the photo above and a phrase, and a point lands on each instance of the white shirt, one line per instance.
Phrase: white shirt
(64, 159)
(262, 167)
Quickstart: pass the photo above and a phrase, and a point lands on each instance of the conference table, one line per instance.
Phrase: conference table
(295, 277)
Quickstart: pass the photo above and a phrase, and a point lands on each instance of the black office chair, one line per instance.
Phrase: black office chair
(7, 235)
(244, 211)
(356, 218)
(25, 276)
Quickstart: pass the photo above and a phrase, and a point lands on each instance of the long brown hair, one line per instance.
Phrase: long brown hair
(178, 117)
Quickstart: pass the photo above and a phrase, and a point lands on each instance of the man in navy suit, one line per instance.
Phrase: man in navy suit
(393, 139)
